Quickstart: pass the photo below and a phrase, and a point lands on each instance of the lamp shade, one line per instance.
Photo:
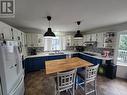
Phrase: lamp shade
(78, 35)
(49, 33)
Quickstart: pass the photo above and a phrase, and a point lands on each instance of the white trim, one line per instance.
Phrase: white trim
(117, 44)
(121, 65)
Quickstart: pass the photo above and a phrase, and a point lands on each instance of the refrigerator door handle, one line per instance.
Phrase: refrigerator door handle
(17, 87)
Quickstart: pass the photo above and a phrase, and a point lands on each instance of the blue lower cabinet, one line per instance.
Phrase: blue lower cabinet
(34, 64)
(38, 63)
(90, 59)
(55, 57)
(75, 55)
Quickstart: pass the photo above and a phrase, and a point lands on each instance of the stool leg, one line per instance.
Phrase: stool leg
(85, 88)
(77, 82)
(73, 90)
(95, 88)
(58, 93)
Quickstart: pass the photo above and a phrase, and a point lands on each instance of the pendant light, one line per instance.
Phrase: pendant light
(49, 33)
(78, 35)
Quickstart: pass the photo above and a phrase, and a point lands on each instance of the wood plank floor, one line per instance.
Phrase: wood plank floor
(37, 83)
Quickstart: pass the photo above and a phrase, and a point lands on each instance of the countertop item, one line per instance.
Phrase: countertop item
(55, 66)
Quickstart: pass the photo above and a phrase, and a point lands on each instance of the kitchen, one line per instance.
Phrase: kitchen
(47, 42)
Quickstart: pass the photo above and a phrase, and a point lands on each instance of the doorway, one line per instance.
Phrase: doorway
(122, 49)
(121, 54)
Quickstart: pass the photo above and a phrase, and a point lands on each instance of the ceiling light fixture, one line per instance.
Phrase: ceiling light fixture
(78, 35)
(49, 33)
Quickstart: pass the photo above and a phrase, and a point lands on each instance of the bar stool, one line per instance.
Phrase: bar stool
(65, 81)
(88, 76)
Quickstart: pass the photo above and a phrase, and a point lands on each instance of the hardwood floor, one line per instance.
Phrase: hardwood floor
(37, 83)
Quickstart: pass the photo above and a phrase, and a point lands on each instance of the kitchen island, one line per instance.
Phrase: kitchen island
(37, 62)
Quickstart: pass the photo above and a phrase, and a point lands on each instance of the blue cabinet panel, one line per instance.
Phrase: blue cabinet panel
(75, 55)
(90, 59)
(38, 63)
(55, 57)
(33, 64)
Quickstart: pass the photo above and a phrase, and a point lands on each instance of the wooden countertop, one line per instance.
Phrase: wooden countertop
(54, 66)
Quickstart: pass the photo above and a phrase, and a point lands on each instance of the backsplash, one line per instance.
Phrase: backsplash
(37, 49)
(99, 50)
(93, 49)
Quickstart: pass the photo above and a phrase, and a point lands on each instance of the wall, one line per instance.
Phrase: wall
(121, 71)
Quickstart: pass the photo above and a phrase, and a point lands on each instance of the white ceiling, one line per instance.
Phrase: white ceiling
(94, 13)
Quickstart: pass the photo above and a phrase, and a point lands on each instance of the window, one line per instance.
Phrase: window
(122, 49)
(57, 43)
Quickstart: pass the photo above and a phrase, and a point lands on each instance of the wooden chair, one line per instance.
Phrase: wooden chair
(88, 76)
(65, 81)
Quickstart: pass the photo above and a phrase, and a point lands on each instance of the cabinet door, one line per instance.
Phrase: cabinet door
(23, 44)
(100, 44)
(84, 38)
(68, 40)
(34, 39)
(19, 35)
(5, 31)
(100, 37)
(88, 37)
(40, 40)
(100, 40)
(15, 34)
(23, 38)
(93, 37)
(63, 43)
(29, 39)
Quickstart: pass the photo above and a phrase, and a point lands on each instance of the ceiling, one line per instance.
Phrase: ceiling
(30, 14)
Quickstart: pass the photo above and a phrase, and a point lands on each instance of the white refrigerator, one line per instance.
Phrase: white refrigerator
(11, 71)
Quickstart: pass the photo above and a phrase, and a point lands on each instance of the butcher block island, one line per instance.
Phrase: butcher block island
(54, 66)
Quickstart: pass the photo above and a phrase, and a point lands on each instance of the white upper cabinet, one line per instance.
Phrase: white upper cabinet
(5, 31)
(78, 42)
(40, 40)
(34, 40)
(100, 37)
(69, 40)
(16, 34)
(100, 40)
(93, 37)
(88, 37)
(84, 38)
(9, 33)
(28, 39)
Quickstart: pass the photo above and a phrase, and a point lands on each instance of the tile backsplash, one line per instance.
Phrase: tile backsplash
(99, 50)
(38, 49)
(93, 49)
